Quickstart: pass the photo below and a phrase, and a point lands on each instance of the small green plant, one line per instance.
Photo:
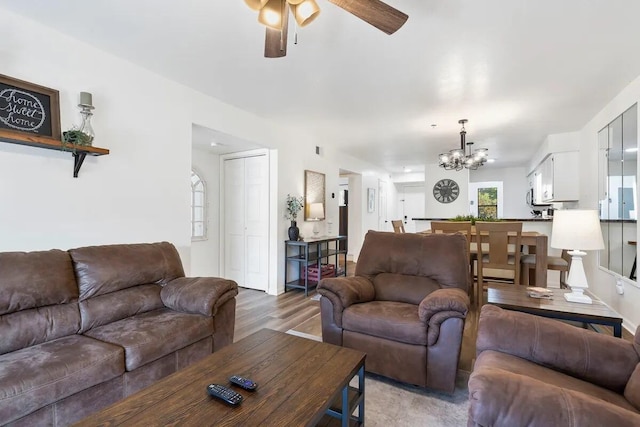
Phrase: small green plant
(473, 219)
(76, 138)
(294, 205)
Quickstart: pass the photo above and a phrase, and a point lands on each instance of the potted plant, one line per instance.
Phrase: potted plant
(293, 206)
(76, 138)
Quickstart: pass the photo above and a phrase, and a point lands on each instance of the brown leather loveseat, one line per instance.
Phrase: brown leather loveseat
(405, 307)
(84, 328)
(538, 372)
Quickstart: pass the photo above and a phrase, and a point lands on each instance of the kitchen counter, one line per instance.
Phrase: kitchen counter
(502, 219)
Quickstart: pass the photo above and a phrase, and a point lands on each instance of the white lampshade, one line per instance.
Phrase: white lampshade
(272, 14)
(305, 12)
(316, 211)
(576, 229)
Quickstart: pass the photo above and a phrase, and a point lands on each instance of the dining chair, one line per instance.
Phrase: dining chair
(464, 227)
(398, 226)
(556, 263)
(499, 245)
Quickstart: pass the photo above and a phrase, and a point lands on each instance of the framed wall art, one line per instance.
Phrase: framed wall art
(27, 110)
(314, 189)
(371, 200)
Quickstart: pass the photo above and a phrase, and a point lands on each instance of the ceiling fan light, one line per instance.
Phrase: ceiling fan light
(294, 2)
(271, 14)
(256, 4)
(306, 12)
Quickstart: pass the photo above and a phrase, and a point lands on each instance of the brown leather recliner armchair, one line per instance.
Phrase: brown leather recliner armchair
(405, 307)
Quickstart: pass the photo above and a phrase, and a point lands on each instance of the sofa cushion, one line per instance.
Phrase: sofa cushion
(493, 360)
(35, 279)
(443, 258)
(403, 288)
(37, 325)
(103, 309)
(36, 376)
(395, 321)
(104, 269)
(154, 334)
(501, 398)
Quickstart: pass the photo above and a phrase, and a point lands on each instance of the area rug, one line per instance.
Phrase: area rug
(390, 403)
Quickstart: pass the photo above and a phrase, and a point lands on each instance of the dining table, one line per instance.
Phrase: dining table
(536, 241)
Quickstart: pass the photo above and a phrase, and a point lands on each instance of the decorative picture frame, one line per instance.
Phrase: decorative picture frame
(371, 200)
(314, 191)
(28, 110)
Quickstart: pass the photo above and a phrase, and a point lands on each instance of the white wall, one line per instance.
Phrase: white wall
(205, 254)
(514, 188)
(602, 283)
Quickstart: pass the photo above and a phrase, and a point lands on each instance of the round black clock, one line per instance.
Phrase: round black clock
(446, 190)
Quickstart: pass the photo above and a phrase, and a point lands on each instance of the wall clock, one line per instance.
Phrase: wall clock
(446, 190)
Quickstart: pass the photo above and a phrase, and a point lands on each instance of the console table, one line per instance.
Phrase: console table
(315, 251)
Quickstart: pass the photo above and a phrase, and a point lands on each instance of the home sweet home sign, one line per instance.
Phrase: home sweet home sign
(27, 109)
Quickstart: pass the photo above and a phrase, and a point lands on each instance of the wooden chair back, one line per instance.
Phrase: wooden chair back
(451, 227)
(501, 254)
(398, 226)
(464, 227)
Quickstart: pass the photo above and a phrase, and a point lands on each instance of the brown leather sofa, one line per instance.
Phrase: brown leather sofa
(532, 371)
(84, 328)
(405, 307)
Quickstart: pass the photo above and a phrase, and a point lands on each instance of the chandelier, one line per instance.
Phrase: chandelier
(458, 158)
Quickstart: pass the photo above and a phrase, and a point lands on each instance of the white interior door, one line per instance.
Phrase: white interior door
(411, 205)
(246, 221)
(382, 208)
(256, 222)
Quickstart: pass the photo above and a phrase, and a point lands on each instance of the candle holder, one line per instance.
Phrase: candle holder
(84, 133)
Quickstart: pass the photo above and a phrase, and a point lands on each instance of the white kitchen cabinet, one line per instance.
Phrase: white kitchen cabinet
(560, 180)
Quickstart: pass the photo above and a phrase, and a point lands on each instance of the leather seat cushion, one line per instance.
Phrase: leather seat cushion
(489, 360)
(37, 376)
(395, 321)
(151, 335)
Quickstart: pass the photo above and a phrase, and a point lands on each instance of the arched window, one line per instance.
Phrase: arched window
(198, 208)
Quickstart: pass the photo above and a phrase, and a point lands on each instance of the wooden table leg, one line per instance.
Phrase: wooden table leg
(541, 261)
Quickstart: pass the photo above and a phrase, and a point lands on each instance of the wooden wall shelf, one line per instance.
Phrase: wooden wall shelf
(79, 154)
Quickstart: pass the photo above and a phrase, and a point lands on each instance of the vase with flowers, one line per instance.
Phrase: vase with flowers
(293, 206)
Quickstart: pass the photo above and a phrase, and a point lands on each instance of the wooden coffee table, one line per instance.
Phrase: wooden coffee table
(298, 381)
(514, 297)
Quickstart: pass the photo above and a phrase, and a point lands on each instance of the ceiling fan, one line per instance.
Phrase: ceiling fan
(274, 14)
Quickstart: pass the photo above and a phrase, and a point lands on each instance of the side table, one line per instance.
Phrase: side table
(315, 251)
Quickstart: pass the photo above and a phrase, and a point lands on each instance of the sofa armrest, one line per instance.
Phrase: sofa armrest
(454, 301)
(597, 358)
(439, 306)
(198, 295)
(349, 290)
(500, 398)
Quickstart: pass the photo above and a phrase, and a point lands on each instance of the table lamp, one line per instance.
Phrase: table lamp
(579, 230)
(316, 213)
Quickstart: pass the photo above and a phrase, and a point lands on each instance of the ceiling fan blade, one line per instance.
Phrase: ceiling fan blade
(275, 45)
(379, 14)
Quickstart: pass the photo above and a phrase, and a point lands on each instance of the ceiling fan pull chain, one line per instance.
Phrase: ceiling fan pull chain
(295, 32)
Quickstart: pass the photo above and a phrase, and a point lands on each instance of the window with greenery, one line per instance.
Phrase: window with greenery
(488, 202)
(198, 205)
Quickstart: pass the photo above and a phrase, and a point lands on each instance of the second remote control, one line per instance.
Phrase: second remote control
(245, 383)
(224, 393)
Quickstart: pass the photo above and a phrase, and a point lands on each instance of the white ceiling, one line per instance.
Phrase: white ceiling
(517, 69)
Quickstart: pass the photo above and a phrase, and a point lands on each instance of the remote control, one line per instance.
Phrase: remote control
(225, 394)
(245, 383)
